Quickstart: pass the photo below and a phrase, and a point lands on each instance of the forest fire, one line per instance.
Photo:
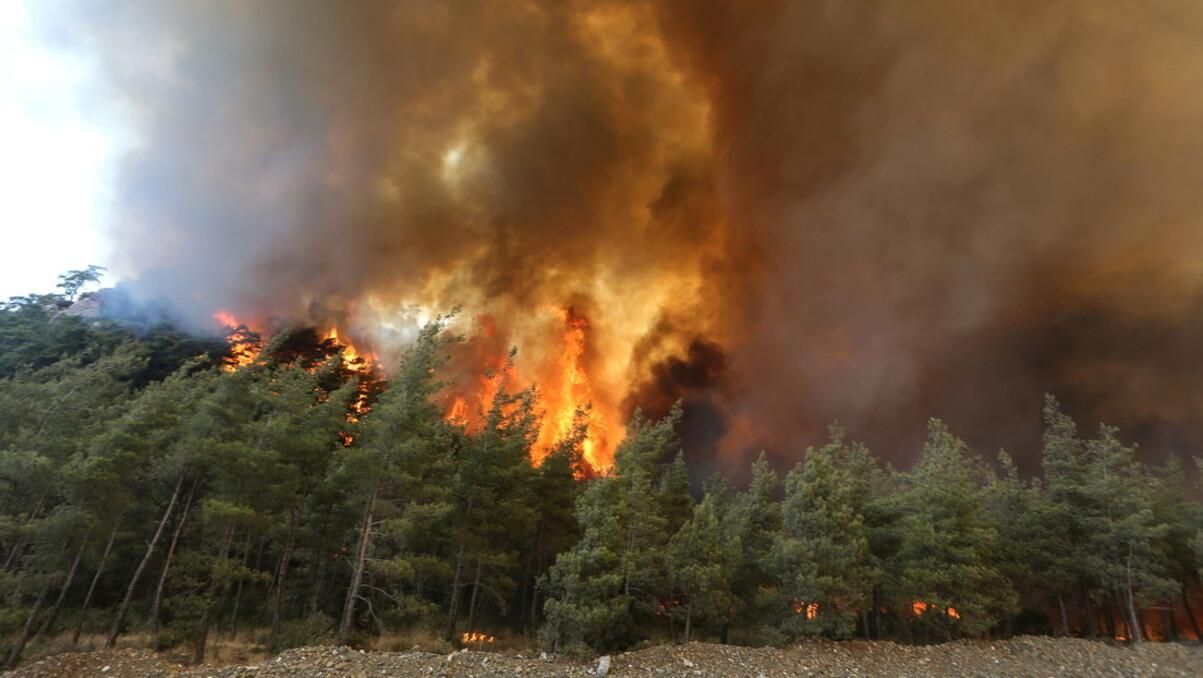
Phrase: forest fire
(574, 393)
(245, 344)
(561, 374)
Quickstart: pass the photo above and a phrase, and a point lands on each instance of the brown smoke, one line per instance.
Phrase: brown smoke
(784, 212)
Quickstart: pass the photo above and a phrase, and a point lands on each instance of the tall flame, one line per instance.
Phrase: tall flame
(573, 393)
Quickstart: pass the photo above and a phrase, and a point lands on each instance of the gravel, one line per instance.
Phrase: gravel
(1030, 656)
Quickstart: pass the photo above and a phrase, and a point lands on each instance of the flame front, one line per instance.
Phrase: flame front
(563, 367)
(244, 343)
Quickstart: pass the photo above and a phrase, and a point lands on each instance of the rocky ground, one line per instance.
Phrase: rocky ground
(1026, 656)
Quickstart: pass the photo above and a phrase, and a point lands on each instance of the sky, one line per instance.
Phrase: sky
(56, 160)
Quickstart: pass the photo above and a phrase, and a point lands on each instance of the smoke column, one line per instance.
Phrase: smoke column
(782, 213)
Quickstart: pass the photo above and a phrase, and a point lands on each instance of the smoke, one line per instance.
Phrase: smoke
(783, 212)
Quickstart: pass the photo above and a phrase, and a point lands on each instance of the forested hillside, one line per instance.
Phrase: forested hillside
(150, 482)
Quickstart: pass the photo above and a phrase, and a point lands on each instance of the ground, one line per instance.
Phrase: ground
(1032, 657)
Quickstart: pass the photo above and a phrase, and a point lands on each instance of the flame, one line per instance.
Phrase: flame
(920, 608)
(244, 344)
(562, 373)
(811, 610)
(469, 637)
(351, 358)
(571, 390)
(364, 366)
(245, 348)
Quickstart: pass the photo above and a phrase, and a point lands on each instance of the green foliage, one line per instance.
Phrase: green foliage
(946, 557)
(821, 556)
(140, 484)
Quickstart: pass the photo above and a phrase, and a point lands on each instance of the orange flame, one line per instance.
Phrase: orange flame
(563, 378)
(571, 391)
(469, 637)
(920, 608)
(244, 345)
(811, 610)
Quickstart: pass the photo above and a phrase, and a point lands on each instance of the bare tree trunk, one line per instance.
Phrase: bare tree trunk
(27, 630)
(315, 589)
(157, 604)
(472, 604)
(281, 573)
(688, 620)
(62, 594)
(1064, 615)
(246, 559)
(361, 557)
(453, 614)
(211, 599)
(1134, 622)
(115, 629)
(104, 558)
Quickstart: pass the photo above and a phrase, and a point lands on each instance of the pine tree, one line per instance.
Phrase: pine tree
(822, 554)
(702, 560)
(614, 576)
(399, 464)
(755, 516)
(944, 571)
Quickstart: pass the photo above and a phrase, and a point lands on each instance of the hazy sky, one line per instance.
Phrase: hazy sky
(55, 159)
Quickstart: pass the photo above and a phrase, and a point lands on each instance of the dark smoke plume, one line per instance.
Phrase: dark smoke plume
(875, 211)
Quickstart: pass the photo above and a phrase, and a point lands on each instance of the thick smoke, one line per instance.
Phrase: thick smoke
(784, 212)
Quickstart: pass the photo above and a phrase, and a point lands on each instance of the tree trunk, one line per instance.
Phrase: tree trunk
(472, 604)
(672, 625)
(1089, 627)
(62, 594)
(246, 560)
(104, 557)
(534, 603)
(528, 578)
(315, 589)
(157, 603)
(1134, 622)
(361, 557)
(1064, 615)
(115, 629)
(19, 545)
(1190, 613)
(688, 621)
(876, 611)
(281, 573)
(453, 614)
(27, 630)
(216, 587)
